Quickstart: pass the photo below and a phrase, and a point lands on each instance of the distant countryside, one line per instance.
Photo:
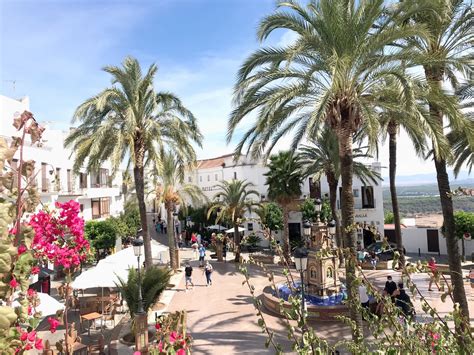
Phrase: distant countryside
(423, 199)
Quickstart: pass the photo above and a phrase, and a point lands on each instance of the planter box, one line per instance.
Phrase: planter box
(264, 259)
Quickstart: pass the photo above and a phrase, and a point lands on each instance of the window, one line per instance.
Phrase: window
(208, 177)
(81, 206)
(235, 175)
(355, 192)
(250, 226)
(368, 197)
(100, 207)
(95, 179)
(83, 180)
(44, 178)
(69, 180)
(215, 177)
(200, 178)
(57, 179)
(190, 179)
(100, 178)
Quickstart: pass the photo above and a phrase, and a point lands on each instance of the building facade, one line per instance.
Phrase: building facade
(368, 198)
(98, 193)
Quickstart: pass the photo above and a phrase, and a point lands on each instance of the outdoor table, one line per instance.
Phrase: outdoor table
(89, 317)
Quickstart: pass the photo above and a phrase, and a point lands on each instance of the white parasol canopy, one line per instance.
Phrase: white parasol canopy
(126, 259)
(102, 275)
(241, 229)
(47, 304)
(216, 227)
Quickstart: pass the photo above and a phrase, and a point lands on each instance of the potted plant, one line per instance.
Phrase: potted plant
(252, 241)
(218, 241)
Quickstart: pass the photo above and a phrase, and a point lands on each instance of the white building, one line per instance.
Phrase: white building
(99, 194)
(368, 199)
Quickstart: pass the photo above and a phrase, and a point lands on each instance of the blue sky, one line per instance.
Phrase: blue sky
(55, 51)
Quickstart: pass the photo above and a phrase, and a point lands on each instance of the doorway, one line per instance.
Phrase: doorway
(294, 230)
(433, 240)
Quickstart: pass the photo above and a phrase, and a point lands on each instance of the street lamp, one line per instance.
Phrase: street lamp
(301, 261)
(317, 208)
(137, 250)
(332, 229)
(141, 321)
(307, 228)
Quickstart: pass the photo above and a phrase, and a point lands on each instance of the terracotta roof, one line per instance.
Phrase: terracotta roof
(212, 163)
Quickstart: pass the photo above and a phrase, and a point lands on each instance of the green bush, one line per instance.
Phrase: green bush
(101, 234)
(251, 240)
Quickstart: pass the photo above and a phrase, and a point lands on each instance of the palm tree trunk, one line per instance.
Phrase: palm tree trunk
(435, 76)
(236, 243)
(348, 225)
(140, 190)
(286, 234)
(171, 236)
(332, 182)
(392, 146)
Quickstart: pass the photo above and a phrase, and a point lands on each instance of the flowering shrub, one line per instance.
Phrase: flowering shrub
(171, 337)
(55, 235)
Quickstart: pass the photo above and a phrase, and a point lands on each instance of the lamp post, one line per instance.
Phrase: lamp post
(141, 335)
(307, 229)
(332, 229)
(317, 208)
(301, 261)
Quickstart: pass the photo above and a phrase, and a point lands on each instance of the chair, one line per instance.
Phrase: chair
(111, 316)
(99, 348)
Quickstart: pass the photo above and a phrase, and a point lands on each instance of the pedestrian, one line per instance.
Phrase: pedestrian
(363, 296)
(188, 272)
(403, 301)
(195, 247)
(199, 238)
(208, 271)
(202, 255)
(165, 227)
(180, 240)
(390, 287)
(176, 226)
(360, 255)
(157, 226)
(373, 260)
(433, 273)
(161, 226)
(193, 238)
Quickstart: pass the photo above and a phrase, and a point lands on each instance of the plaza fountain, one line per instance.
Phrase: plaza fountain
(325, 293)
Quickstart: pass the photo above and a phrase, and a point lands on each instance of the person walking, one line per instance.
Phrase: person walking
(373, 260)
(433, 273)
(202, 255)
(208, 271)
(188, 272)
(390, 287)
(165, 227)
(403, 301)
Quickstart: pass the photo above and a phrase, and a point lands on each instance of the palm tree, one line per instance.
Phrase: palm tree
(327, 75)
(129, 120)
(322, 158)
(418, 125)
(231, 204)
(173, 192)
(445, 53)
(284, 179)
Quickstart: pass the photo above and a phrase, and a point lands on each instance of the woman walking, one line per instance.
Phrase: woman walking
(208, 271)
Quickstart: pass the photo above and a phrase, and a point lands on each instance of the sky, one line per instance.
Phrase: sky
(54, 51)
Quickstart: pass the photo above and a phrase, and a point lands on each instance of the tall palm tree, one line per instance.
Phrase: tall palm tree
(327, 75)
(173, 193)
(231, 204)
(129, 120)
(284, 179)
(418, 125)
(445, 54)
(322, 158)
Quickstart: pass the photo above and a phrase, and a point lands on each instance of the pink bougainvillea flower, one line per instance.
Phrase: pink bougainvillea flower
(32, 336)
(157, 326)
(35, 270)
(39, 344)
(13, 283)
(31, 293)
(137, 353)
(21, 249)
(436, 336)
(173, 337)
(181, 352)
(53, 324)
(24, 336)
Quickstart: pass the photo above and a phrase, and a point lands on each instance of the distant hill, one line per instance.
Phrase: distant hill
(430, 178)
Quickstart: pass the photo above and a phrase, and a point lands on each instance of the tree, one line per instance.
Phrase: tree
(464, 223)
(445, 53)
(284, 179)
(271, 216)
(322, 158)
(173, 193)
(101, 234)
(327, 74)
(388, 218)
(231, 203)
(129, 120)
